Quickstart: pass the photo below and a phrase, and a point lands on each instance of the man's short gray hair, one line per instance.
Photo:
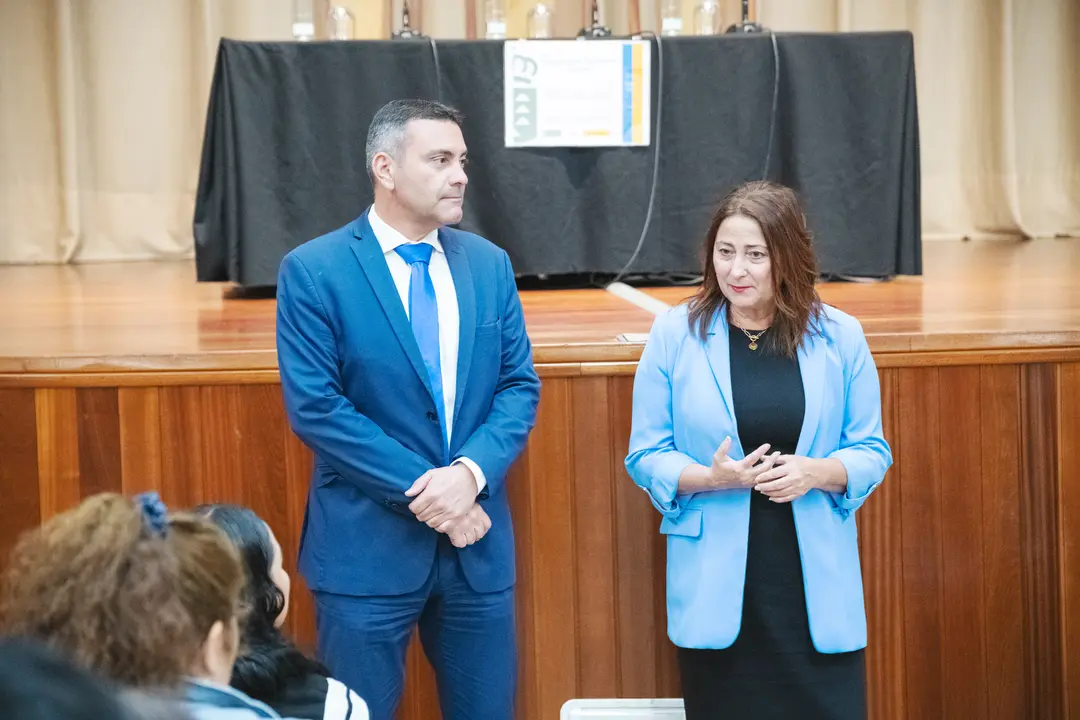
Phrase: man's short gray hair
(387, 130)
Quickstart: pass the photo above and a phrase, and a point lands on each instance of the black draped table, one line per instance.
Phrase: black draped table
(283, 154)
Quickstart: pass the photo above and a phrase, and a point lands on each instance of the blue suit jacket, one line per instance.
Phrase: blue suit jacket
(356, 392)
(682, 412)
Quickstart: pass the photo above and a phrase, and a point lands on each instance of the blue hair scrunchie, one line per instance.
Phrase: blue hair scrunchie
(154, 512)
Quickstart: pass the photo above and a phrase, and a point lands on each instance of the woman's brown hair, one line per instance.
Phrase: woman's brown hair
(124, 595)
(776, 210)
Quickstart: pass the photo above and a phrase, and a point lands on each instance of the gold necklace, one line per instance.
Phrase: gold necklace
(753, 337)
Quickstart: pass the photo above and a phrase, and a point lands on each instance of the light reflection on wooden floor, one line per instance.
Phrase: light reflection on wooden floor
(975, 295)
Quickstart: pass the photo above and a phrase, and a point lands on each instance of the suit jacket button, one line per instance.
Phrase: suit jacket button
(432, 416)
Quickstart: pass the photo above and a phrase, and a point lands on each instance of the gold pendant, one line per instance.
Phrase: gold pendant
(753, 346)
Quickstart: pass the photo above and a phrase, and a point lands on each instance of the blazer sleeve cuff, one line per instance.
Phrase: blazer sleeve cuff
(862, 480)
(663, 491)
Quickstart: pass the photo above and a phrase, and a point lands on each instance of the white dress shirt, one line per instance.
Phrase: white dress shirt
(449, 317)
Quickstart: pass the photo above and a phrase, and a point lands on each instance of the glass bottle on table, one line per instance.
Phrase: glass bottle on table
(340, 24)
(707, 18)
(671, 18)
(303, 20)
(495, 19)
(541, 21)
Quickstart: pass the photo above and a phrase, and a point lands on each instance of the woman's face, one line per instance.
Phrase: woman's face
(743, 268)
(279, 578)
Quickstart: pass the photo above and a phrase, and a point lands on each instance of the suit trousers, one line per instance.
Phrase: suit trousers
(468, 637)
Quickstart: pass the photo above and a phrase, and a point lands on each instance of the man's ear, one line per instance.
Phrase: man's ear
(382, 168)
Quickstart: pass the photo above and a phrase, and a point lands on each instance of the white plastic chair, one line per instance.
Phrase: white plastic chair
(620, 709)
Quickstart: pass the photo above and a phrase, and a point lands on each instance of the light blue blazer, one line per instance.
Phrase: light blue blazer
(682, 412)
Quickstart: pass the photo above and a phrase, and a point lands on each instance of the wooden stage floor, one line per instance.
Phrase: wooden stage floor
(975, 297)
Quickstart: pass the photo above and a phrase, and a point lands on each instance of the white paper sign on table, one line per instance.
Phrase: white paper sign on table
(575, 93)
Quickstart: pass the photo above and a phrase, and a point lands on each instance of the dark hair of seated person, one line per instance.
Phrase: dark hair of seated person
(268, 661)
(36, 683)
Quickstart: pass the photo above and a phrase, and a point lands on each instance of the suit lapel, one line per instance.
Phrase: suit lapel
(465, 289)
(717, 350)
(812, 367)
(369, 253)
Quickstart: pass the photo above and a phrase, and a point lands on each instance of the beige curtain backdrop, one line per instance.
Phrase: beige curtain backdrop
(102, 107)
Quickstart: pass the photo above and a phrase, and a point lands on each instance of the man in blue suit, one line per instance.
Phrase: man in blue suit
(406, 369)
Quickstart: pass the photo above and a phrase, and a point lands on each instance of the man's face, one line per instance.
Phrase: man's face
(428, 171)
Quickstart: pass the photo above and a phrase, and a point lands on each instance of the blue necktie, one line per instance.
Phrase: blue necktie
(424, 317)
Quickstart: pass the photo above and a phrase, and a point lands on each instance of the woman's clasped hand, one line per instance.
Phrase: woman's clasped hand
(782, 478)
(728, 473)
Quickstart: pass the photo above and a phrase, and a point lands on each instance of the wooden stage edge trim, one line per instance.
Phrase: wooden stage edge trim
(98, 373)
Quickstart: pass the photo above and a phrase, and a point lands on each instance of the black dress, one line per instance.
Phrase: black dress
(772, 670)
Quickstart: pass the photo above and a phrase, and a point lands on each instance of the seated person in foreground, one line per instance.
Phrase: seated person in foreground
(141, 597)
(270, 668)
(38, 684)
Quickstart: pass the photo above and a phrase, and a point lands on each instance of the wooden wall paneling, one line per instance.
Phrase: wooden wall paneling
(261, 427)
(99, 440)
(596, 452)
(275, 477)
(1040, 533)
(637, 523)
(919, 399)
(298, 466)
(880, 524)
(959, 459)
(421, 699)
(140, 439)
(665, 661)
(970, 558)
(518, 488)
(1068, 452)
(1001, 541)
(183, 446)
(223, 461)
(21, 504)
(57, 450)
(551, 554)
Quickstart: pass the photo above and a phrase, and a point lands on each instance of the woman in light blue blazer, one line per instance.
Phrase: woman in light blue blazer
(757, 435)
